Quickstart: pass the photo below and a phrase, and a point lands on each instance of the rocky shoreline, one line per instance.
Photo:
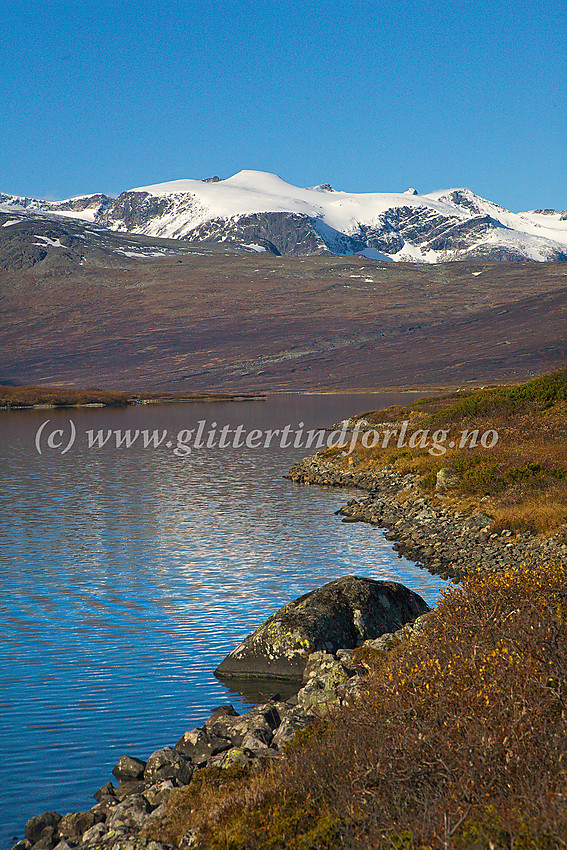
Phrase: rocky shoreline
(122, 814)
(437, 538)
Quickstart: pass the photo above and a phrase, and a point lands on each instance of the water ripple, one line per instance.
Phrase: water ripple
(127, 575)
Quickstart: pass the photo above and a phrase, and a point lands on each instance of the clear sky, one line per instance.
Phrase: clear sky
(367, 96)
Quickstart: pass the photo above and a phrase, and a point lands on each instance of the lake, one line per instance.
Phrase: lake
(127, 574)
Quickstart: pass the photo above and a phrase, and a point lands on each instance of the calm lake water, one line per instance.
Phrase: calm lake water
(127, 574)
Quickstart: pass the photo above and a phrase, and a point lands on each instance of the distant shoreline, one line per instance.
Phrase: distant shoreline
(53, 398)
(34, 397)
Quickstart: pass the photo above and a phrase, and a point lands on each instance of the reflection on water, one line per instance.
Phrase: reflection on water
(128, 574)
(253, 691)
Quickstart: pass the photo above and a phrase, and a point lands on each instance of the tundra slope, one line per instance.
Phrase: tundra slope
(83, 306)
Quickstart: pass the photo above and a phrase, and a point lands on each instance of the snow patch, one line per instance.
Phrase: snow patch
(253, 246)
(371, 254)
(45, 240)
(140, 254)
(84, 215)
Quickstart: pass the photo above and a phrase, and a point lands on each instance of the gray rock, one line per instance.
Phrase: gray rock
(105, 792)
(158, 793)
(129, 768)
(290, 726)
(168, 763)
(236, 755)
(92, 836)
(131, 813)
(36, 825)
(126, 789)
(223, 713)
(257, 739)
(73, 825)
(200, 744)
(101, 810)
(342, 614)
(47, 840)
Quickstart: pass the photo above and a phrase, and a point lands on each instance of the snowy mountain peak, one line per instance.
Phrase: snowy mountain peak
(465, 199)
(260, 181)
(257, 207)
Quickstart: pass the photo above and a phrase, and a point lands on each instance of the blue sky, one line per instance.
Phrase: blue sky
(368, 96)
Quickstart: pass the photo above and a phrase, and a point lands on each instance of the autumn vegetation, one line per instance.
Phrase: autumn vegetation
(521, 480)
(14, 398)
(459, 741)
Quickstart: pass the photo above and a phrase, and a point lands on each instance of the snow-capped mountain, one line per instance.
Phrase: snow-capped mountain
(85, 207)
(254, 206)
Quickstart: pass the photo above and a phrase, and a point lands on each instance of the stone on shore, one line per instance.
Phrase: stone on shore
(339, 615)
(129, 768)
(36, 825)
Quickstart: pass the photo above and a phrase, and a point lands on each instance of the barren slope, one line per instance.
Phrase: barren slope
(220, 318)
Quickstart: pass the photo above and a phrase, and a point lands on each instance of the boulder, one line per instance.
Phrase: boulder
(131, 813)
(290, 726)
(75, 824)
(129, 768)
(339, 615)
(446, 478)
(167, 763)
(199, 745)
(36, 825)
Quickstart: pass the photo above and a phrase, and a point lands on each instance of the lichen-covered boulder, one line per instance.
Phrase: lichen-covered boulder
(341, 614)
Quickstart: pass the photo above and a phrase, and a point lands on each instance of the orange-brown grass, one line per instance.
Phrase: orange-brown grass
(28, 396)
(524, 474)
(460, 741)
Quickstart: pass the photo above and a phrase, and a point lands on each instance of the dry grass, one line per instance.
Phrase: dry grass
(29, 396)
(524, 475)
(535, 515)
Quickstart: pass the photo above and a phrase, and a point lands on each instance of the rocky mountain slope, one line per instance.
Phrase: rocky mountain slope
(263, 210)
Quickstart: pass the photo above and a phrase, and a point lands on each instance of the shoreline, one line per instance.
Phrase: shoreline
(131, 400)
(55, 397)
(437, 538)
(226, 740)
(444, 541)
(124, 815)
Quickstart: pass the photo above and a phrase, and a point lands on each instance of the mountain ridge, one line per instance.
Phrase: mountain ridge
(442, 226)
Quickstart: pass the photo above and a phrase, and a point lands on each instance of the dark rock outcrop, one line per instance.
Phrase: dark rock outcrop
(129, 768)
(36, 825)
(342, 614)
(288, 233)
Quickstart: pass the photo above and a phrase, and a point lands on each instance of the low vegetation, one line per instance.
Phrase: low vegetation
(30, 396)
(521, 479)
(15, 398)
(460, 741)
